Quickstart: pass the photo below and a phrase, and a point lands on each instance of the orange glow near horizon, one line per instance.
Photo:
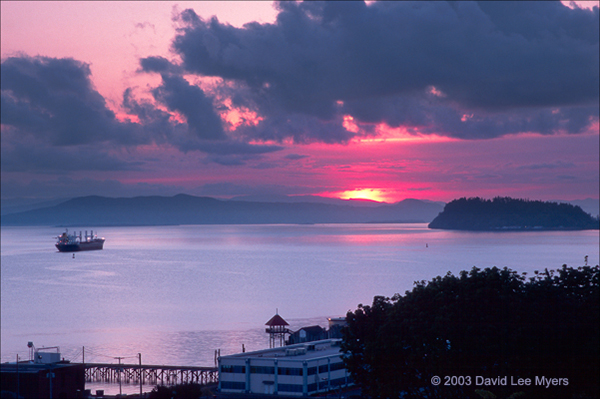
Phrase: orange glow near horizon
(372, 194)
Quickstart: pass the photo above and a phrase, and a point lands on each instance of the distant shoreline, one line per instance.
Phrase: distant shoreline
(189, 210)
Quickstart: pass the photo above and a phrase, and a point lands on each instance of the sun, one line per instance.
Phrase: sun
(373, 194)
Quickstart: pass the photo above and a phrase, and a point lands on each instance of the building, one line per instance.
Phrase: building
(307, 334)
(45, 375)
(38, 380)
(316, 333)
(335, 326)
(295, 370)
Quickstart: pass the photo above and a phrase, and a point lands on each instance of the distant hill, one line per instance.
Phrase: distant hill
(186, 209)
(26, 204)
(503, 213)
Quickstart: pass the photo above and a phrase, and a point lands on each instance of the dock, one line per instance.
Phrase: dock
(150, 374)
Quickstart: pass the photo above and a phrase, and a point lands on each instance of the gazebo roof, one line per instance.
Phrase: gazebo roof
(276, 321)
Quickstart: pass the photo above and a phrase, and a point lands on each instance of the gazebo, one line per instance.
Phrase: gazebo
(277, 330)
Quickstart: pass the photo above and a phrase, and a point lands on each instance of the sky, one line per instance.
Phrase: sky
(377, 100)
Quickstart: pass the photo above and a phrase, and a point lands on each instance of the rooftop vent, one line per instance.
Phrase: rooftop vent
(295, 352)
(47, 357)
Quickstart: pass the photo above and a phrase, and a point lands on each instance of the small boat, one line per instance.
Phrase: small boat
(73, 243)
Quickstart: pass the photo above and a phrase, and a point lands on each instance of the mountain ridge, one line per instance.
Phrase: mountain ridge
(179, 209)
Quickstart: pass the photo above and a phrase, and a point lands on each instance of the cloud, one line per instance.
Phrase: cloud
(566, 177)
(295, 157)
(31, 157)
(198, 108)
(54, 120)
(302, 128)
(53, 100)
(67, 187)
(236, 148)
(545, 165)
(465, 70)
(158, 64)
(157, 123)
(510, 67)
(191, 101)
(144, 25)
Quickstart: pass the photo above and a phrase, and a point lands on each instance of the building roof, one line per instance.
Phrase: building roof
(311, 351)
(313, 329)
(276, 321)
(29, 367)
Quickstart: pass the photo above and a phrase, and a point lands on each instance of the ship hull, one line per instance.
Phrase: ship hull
(84, 246)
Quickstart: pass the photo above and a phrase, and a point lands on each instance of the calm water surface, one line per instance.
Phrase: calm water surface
(177, 293)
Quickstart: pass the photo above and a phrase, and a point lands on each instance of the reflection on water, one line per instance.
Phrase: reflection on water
(175, 294)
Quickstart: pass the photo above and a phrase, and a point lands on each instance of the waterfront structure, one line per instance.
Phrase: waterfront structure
(316, 333)
(294, 370)
(337, 322)
(149, 374)
(277, 330)
(307, 334)
(44, 376)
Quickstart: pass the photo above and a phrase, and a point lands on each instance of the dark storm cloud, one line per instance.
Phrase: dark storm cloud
(226, 151)
(158, 64)
(234, 153)
(53, 119)
(295, 157)
(155, 121)
(191, 101)
(436, 116)
(236, 148)
(510, 64)
(54, 101)
(301, 127)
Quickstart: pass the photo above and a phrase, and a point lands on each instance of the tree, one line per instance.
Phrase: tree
(481, 324)
(180, 391)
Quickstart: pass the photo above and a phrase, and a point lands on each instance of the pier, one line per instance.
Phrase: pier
(150, 374)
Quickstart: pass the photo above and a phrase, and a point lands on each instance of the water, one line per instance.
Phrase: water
(175, 294)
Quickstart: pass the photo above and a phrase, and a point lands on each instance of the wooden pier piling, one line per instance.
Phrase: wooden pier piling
(150, 374)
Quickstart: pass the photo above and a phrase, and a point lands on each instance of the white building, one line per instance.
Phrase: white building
(301, 370)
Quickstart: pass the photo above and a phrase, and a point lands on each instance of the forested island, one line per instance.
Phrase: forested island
(504, 213)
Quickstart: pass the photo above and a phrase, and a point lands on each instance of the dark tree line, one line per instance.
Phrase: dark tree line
(181, 391)
(488, 323)
(508, 213)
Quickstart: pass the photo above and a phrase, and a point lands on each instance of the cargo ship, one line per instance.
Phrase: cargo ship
(73, 242)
